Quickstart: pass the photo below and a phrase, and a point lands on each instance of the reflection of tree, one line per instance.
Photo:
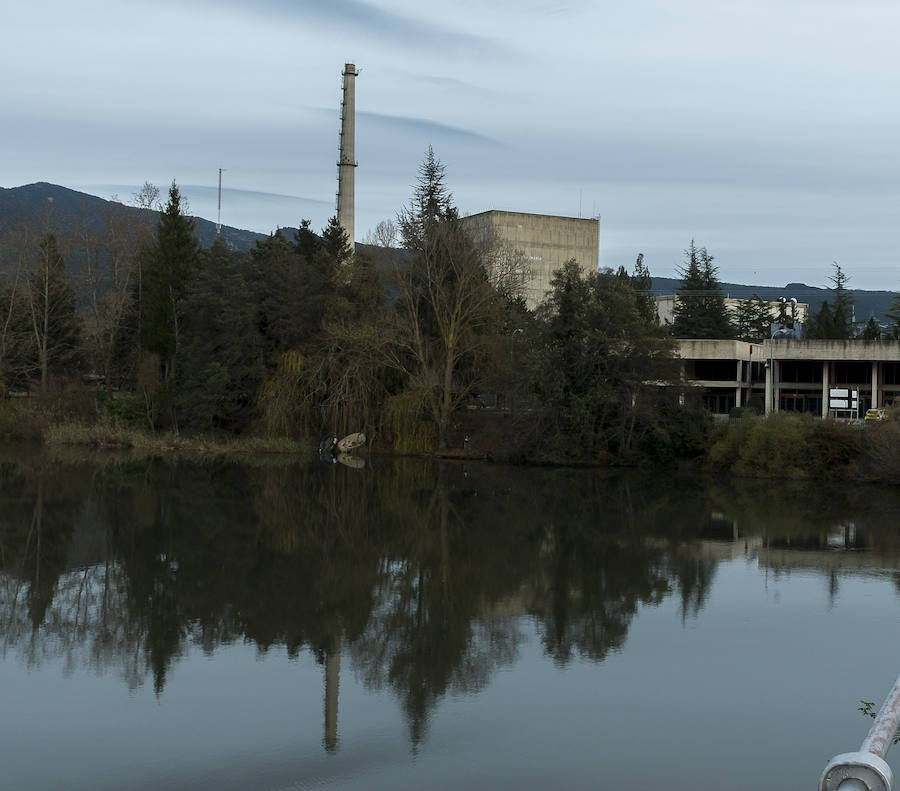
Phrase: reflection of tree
(55, 600)
(425, 636)
(420, 575)
(693, 575)
(594, 584)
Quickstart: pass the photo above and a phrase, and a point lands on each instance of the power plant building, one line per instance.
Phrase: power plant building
(537, 244)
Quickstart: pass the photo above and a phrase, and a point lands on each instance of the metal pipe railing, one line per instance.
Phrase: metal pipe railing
(866, 769)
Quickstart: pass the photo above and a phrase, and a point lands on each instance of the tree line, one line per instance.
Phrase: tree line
(304, 336)
(700, 310)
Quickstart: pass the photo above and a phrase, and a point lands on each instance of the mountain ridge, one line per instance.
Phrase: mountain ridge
(26, 202)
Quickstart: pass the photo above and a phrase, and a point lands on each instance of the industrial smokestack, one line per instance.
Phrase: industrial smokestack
(347, 154)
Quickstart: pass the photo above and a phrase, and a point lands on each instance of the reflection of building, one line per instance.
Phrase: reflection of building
(537, 243)
(794, 376)
(665, 309)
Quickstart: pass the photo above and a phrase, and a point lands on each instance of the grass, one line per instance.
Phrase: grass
(106, 435)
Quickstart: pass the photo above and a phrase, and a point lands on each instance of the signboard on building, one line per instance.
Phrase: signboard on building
(842, 399)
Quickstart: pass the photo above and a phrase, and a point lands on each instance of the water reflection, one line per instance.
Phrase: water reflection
(417, 575)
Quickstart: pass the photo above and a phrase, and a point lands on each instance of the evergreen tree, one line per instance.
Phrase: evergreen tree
(844, 315)
(307, 242)
(54, 321)
(17, 341)
(220, 358)
(168, 273)
(820, 324)
(700, 307)
(835, 320)
(430, 204)
(445, 304)
(276, 292)
(752, 320)
(894, 315)
(336, 243)
(593, 364)
(642, 284)
(871, 332)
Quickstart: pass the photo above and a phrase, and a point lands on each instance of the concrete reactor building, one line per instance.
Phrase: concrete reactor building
(538, 243)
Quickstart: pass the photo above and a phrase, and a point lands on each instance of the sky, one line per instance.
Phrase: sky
(767, 131)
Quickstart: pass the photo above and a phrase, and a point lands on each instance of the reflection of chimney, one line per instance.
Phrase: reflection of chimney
(332, 682)
(347, 154)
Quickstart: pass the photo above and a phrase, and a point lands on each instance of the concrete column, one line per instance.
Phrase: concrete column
(740, 383)
(347, 155)
(769, 398)
(826, 386)
(876, 370)
(776, 405)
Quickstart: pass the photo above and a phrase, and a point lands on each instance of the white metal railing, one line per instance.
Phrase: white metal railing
(866, 769)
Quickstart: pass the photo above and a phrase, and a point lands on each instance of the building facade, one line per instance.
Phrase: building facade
(798, 312)
(536, 245)
(791, 375)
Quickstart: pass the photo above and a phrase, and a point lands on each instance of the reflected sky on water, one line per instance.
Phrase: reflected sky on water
(272, 624)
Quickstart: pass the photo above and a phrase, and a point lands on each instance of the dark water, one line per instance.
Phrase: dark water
(278, 625)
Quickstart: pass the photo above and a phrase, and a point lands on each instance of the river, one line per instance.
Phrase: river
(275, 624)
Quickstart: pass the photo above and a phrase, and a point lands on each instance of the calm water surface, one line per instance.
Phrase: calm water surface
(277, 625)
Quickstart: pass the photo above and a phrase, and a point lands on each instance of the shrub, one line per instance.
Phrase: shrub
(786, 445)
(128, 411)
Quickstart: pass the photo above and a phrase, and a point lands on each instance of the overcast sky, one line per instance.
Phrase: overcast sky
(767, 131)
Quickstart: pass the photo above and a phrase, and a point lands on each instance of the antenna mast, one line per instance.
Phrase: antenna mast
(219, 215)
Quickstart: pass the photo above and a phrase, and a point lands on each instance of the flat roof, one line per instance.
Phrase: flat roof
(530, 214)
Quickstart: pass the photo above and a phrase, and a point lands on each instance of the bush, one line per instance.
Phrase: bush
(786, 445)
(776, 447)
(128, 411)
(879, 459)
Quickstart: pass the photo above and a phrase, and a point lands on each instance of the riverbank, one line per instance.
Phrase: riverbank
(780, 446)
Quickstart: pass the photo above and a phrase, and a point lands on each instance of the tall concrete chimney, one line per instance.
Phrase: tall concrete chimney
(347, 154)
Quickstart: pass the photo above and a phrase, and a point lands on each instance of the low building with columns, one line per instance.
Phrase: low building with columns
(791, 375)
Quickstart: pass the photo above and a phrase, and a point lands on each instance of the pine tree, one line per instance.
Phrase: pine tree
(220, 358)
(336, 243)
(752, 320)
(700, 307)
(894, 315)
(844, 315)
(168, 273)
(835, 321)
(872, 331)
(54, 321)
(430, 204)
(642, 284)
(307, 242)
(444, 306)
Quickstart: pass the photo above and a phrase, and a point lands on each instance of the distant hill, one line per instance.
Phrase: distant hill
(26, 204)
(68, 207)
(867, 303)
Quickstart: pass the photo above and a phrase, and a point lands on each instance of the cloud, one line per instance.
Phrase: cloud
(358, 16)
(422, 126)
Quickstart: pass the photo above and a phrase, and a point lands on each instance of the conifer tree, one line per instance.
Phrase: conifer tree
(752, 320)
(871, 332)
(168, 273)
(835, 320)
(700, 307)
(336, 243)
(54, 321)
(642, 284)
(444, 306)
(894, 315)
